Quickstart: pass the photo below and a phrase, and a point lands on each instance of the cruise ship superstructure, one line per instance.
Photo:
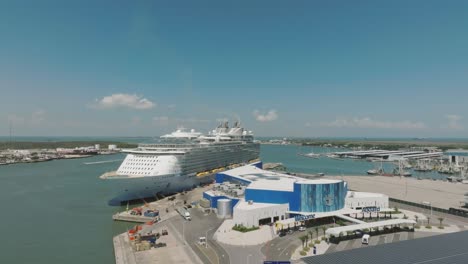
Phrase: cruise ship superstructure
(181, 161)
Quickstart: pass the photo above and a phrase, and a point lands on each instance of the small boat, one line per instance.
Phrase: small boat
(378, 171)
(375, 172)
(310, 155)
(334, 156)
(399, 171)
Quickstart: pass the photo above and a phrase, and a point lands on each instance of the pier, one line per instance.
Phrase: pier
(385, 154)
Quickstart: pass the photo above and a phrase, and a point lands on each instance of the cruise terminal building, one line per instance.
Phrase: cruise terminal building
(253, 196)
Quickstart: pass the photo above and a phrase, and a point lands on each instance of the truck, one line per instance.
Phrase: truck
(365, 239)
(184, 213)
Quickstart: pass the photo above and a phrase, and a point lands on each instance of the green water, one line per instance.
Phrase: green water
(57, 212)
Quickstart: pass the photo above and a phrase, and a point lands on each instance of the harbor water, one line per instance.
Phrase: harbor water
(57, 212)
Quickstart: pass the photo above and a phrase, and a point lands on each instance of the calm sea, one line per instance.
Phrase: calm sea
(57, 212)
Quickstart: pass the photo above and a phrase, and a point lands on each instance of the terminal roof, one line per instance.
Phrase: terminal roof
(269, 180)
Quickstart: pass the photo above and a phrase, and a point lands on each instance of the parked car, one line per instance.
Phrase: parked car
(302, 228)
(282, 234)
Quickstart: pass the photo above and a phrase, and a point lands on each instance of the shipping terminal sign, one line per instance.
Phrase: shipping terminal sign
(304, 217)
(371, 209)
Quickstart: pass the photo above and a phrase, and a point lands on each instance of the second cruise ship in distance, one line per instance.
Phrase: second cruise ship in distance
(181, 161)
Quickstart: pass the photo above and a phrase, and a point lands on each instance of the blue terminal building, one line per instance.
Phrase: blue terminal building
(318, 196)
(259, 196)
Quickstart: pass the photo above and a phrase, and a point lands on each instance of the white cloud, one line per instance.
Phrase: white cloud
(136, 120)
(367, 122)
(132, 101)
(38, 117)
(161, 120)
(265, 117)
(35, 118)
(453, 121)
(16, 119)
(185, 122)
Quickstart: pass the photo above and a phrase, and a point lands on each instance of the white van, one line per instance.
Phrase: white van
(365, 239)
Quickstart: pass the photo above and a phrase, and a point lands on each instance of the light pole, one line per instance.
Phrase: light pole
(428, 204)
(248, 258)
(206, 236)
(183, 230)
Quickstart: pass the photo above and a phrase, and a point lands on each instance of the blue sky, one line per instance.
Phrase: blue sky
(286, 68)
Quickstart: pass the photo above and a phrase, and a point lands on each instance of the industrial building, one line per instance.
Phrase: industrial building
(253, 196)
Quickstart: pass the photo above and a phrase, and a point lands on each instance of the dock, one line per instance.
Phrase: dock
(127, 217)
(385, 154)
(177, 250)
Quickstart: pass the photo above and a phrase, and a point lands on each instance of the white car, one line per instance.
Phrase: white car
(302, 228)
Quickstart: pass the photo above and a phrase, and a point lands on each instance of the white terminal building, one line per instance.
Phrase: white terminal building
(253, 196)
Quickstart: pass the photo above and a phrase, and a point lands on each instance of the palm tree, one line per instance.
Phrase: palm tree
(302, 238)
(311, 234)
(324, 229)
(317, 231)
(428, 220)
(440, 220)
(416, 218)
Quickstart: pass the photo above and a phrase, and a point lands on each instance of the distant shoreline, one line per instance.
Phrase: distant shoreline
(367, 144)
(60, 144)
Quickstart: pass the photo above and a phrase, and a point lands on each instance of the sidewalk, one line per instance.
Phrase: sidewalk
(321, 249)
(226, 235)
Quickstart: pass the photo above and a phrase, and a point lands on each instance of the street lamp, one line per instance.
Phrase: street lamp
(428, 204)
(206, 236)
(183, 230)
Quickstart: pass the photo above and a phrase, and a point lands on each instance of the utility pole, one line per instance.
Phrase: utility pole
(11, 133)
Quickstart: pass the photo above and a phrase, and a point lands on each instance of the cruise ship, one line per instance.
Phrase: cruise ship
(181, 161)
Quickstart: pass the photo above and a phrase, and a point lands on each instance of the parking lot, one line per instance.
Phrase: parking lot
(377, 240)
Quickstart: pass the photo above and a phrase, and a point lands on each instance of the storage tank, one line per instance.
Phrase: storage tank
(224, 208)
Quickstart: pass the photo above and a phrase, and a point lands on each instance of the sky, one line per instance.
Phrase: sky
(283, 68)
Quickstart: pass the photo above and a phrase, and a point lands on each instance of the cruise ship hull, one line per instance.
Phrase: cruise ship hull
(150, 187)
(158, 169)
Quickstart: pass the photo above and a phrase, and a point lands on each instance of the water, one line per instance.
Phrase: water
(57, 212)
(287, 154)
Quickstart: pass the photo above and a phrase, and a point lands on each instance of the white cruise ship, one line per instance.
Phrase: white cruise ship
(181, 161)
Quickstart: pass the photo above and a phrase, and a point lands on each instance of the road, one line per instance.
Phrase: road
(282, 248)
(449, 219)
(202, 225)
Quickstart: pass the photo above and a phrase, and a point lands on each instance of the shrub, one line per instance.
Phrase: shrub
(441, 227)
(306, 249)
(244, 229)
(417, 226)
(340, 222)
(317, 241)
(429, 227)
(324, 238)
(303, 253)
(311, 244)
